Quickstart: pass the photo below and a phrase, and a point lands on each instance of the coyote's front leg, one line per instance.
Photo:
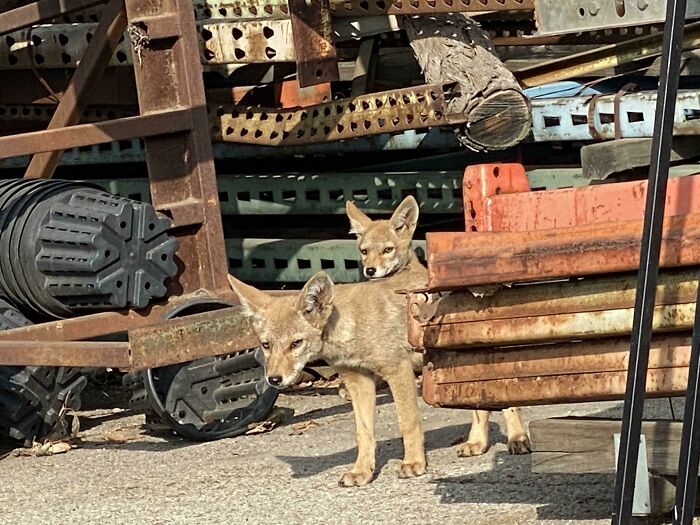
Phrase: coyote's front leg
(363, 396)
(403, 388)
(478, 440)
(518, 442)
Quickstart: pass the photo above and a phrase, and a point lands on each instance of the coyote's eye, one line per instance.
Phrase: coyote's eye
(296, 343)
(363, 252)
(388, 249)
(265, 345)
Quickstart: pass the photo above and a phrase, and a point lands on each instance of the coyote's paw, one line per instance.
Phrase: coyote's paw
(354, 478)
(411, 469)
(519, 444)
(472, 448)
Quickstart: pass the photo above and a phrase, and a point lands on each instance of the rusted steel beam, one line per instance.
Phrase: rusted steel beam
(611, 55)
(549, 374)
(192, 337)
(457, 260)
(60, 353)
(41, 11)
(155, 123)
(180, 167)
(68, 112)
(312, 33)
(108, 323)
(458, 318)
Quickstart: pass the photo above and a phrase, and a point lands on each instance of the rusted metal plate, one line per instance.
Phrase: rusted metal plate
(457, 260)
(155, 123)
(556, 327)
(384, 112)
(596, 204)
(92, 64)
(549, 374)
(582, 308)
(60, 353)
(312, 32)
(189, 338)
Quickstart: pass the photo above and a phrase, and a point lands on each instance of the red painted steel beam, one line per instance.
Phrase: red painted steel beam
(457, 260)
(70, 109)
(623, 201)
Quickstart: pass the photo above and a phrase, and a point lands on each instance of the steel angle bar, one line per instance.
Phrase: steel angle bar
(388, 111)
(556, 17)
(129, 151)
(261, 9)
(230, 42)
(649, 258)
(323, 193)
(70, 108)
(587, 118)
(156, 123)
(294, 260)
(41, 11)
(604, 57)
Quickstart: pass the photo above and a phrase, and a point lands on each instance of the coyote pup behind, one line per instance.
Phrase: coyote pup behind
(387, 254)
(360, 329)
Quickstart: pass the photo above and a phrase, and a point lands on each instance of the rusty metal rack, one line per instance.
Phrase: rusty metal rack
(173, 122)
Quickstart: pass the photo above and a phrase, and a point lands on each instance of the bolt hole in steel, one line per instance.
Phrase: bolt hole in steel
(234, 396)
(581, 12)
(620, 7)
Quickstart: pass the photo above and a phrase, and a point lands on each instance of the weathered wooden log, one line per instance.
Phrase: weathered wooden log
(452, 47)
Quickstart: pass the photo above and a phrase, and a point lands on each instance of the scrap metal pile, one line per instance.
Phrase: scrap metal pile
(308, 104)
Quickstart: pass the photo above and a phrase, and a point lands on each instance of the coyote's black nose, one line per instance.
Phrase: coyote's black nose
(370, 271)
(275, 380)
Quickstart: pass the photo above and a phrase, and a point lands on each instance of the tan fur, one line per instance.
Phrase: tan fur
(372, 239)
(361, 330)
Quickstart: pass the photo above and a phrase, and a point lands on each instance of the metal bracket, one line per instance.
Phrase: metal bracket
(312, 31)
(641, 505)
(556, 17)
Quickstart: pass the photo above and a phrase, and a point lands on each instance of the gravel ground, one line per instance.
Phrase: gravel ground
(284, 476)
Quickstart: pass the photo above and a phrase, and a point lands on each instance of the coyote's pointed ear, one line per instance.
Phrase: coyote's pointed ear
(252, 299)
(405, 217)
(316, 299)
(358, 220)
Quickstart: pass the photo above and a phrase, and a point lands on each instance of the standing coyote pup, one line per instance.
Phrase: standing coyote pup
(360, 329)
(387, 255)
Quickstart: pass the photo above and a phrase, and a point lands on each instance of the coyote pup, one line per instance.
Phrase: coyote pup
(385, 247)
(360, 329)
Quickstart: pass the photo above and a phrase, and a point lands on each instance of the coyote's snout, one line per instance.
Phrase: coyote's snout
(360, 329)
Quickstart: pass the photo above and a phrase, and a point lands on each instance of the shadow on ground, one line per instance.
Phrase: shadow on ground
(388, 449)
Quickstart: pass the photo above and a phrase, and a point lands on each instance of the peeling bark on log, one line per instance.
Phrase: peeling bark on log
(453, 48)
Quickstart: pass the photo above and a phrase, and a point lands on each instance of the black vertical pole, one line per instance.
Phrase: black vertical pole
(649, 262)
(687, 485)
